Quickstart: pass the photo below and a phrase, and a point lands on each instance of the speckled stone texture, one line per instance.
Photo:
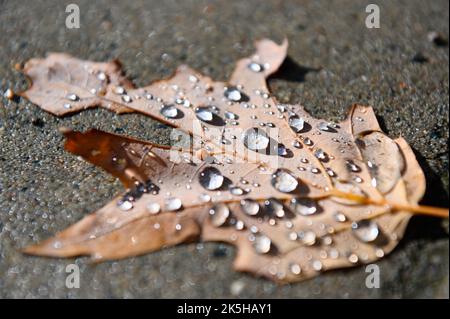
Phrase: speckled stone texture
(334, 60)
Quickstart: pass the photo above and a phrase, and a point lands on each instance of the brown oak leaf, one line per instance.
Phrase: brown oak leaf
(296, 195)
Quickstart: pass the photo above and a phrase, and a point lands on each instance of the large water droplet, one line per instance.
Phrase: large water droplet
(284, 181)
(262, 244)
(211, 178)
(250, 207)
(365, 230)
(173, 204)
(274, 208)
(233, 94)
(296, 123)
(219, 214)
(304, 206)
(170, 111)
(255, 139)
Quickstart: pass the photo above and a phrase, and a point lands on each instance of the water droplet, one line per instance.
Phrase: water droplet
(331, 172)
(324, 127)
(193, 78)
(233, 94)
(205, 198)
(284, 181)
(173, 204)
(352, 166)
(262, 244)
(304, 206)
(125, 205)
(308, 141)
(211, 178)
(204, 114)
(237, 191)
(358, 179)
(72, 97)
(178, 227)
(297, 144)
(321, 155)
(255, 139)
(169, 111)
(126, 98)
(340, 217)
(101, 76)
(256, 67)
(296, 123)
(67, 105)
(274, 208)
(219, 214)
(231, 116)
(119, 90)
(308, 238)
(379, 253)
(353, 258)
(250, 206)
(153, 208)
(317, 265)
(239, 225)
(365, 230)
(295, 269)
(282, 150)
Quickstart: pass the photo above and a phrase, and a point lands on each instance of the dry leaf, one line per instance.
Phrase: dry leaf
(296, 195)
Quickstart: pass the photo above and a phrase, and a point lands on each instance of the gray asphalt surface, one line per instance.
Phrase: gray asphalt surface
(334, 61)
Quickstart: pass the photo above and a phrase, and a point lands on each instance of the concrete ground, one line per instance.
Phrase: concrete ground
(334, 61)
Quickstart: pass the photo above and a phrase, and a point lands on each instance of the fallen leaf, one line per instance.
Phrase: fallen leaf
(296, 195)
